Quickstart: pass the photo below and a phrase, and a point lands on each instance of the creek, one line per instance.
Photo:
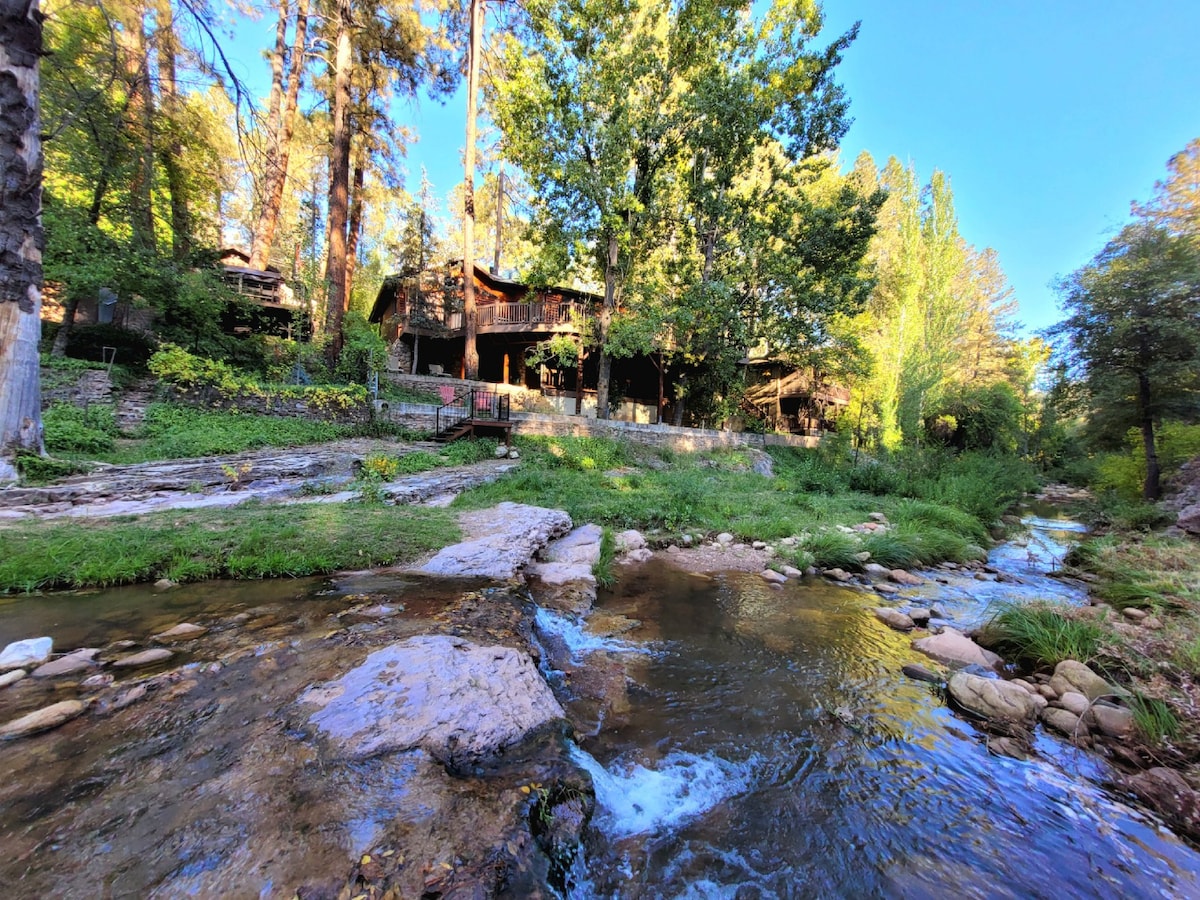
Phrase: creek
(763, 744)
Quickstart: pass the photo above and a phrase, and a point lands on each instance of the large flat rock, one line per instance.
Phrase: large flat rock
(506, 538)
(459, 701)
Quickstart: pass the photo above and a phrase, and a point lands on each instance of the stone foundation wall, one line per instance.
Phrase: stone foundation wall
(92, 386)
(274, 405)
(681, 440)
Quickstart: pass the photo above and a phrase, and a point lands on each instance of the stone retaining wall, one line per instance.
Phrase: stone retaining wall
(274, 405)
(92, 386)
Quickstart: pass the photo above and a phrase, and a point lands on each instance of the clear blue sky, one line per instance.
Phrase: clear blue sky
(1049, 116)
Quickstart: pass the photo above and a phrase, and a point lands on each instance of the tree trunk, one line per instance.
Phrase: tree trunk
(141, 103)
(21, 238)
(63, 335)
(339, 188)
(355, 229)
(281, 123)
(499, 220)
(470, 353)
(1152, 488)
(606, 313)
(171, 154)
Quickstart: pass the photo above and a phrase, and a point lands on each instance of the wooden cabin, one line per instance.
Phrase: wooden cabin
(790, 399)
(272, 306)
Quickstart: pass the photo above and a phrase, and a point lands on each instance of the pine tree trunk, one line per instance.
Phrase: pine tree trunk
(281, 122)
(470, 353)
(354, 230)
(141, 104)
(339, 188)
(21, 238)
(1152, 488)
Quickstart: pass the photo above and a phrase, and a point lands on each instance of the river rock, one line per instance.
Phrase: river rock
(920, 615)
(457, 700)
(838, 575)
(1166, 791)
(512, 534)
(724, 538)
(97, 682)
(952, 646)
(1111, 721)
(893, 618)
(42, 719)
(1013, 748)
(1070, 675)
(920, 673)
(900, 576)
(1075, 702)
(875, 569)
(641, 555)
(1189, 519)
(184, 631)
(26, 654)
(791, 572)
(629, 540)
(12, 677)
(581, 546)
(773, 577)
(993, 699)
(145, 658)
(888, 590)
(77, 661)
(1063, 721)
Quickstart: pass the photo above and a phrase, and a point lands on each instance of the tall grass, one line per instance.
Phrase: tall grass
(1040, 633)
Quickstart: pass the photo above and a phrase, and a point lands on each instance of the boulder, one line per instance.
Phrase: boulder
(512, 534)
(459, 701)
(893, 618)
(629, 540)
(1189, 519)
(26, 654)
(581, 545)
(42, 719)
(952, 646)
(77, 661)
(1070, 675)
(992, 699)
(1111, 721)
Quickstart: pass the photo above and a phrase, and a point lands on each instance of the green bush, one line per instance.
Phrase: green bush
(45, 469)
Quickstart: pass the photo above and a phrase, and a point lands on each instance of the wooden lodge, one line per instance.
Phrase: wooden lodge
(270, 305)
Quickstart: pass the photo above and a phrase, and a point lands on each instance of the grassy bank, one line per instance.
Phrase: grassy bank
(1156, 579)
(941, 509)
(249, 541)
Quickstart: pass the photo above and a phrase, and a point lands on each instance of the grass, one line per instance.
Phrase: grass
(250, 541)
(603, 570)
(1154, 718)
(1042, 634)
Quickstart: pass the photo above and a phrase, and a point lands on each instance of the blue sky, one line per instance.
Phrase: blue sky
(1049, 116)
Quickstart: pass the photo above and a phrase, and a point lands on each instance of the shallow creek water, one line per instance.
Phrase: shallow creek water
(772, 748)
(765, 745)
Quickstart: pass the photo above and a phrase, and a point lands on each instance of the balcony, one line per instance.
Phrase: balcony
(498, 317)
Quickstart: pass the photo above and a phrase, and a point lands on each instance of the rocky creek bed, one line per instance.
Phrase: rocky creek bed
(393, 734)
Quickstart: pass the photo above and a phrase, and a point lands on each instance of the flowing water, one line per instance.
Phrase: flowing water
(763, 744)
(772, 748)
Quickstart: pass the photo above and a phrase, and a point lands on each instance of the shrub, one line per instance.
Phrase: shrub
(379, 467)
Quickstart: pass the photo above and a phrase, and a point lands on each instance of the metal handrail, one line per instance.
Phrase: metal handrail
(473, 404)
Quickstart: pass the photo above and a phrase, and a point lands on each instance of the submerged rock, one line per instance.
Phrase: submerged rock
(42, 719)
(145, 658)
(893, 618)
(77, 661)
(457, 700)
(773, 577)
(26, 654)
(184, 631)
(1166, 791)
(920, 673)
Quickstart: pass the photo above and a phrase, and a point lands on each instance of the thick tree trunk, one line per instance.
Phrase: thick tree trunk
(470, 353)
(339, 188)
(141, 104)
(21, 238)
(281, 122)
(604, 377)
(1152, 488)
(171, 153)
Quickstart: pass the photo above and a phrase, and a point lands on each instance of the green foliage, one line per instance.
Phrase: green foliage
(363, 350)
(465, 453)
(36, 469)
(252, 541)
(72, 429)
(1125, 473)
(834, 549)
(1042, 634)
(88, 342)
(895, 549)
(604, 570)
(1154, 719)
(379, 467)
(178, 432)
